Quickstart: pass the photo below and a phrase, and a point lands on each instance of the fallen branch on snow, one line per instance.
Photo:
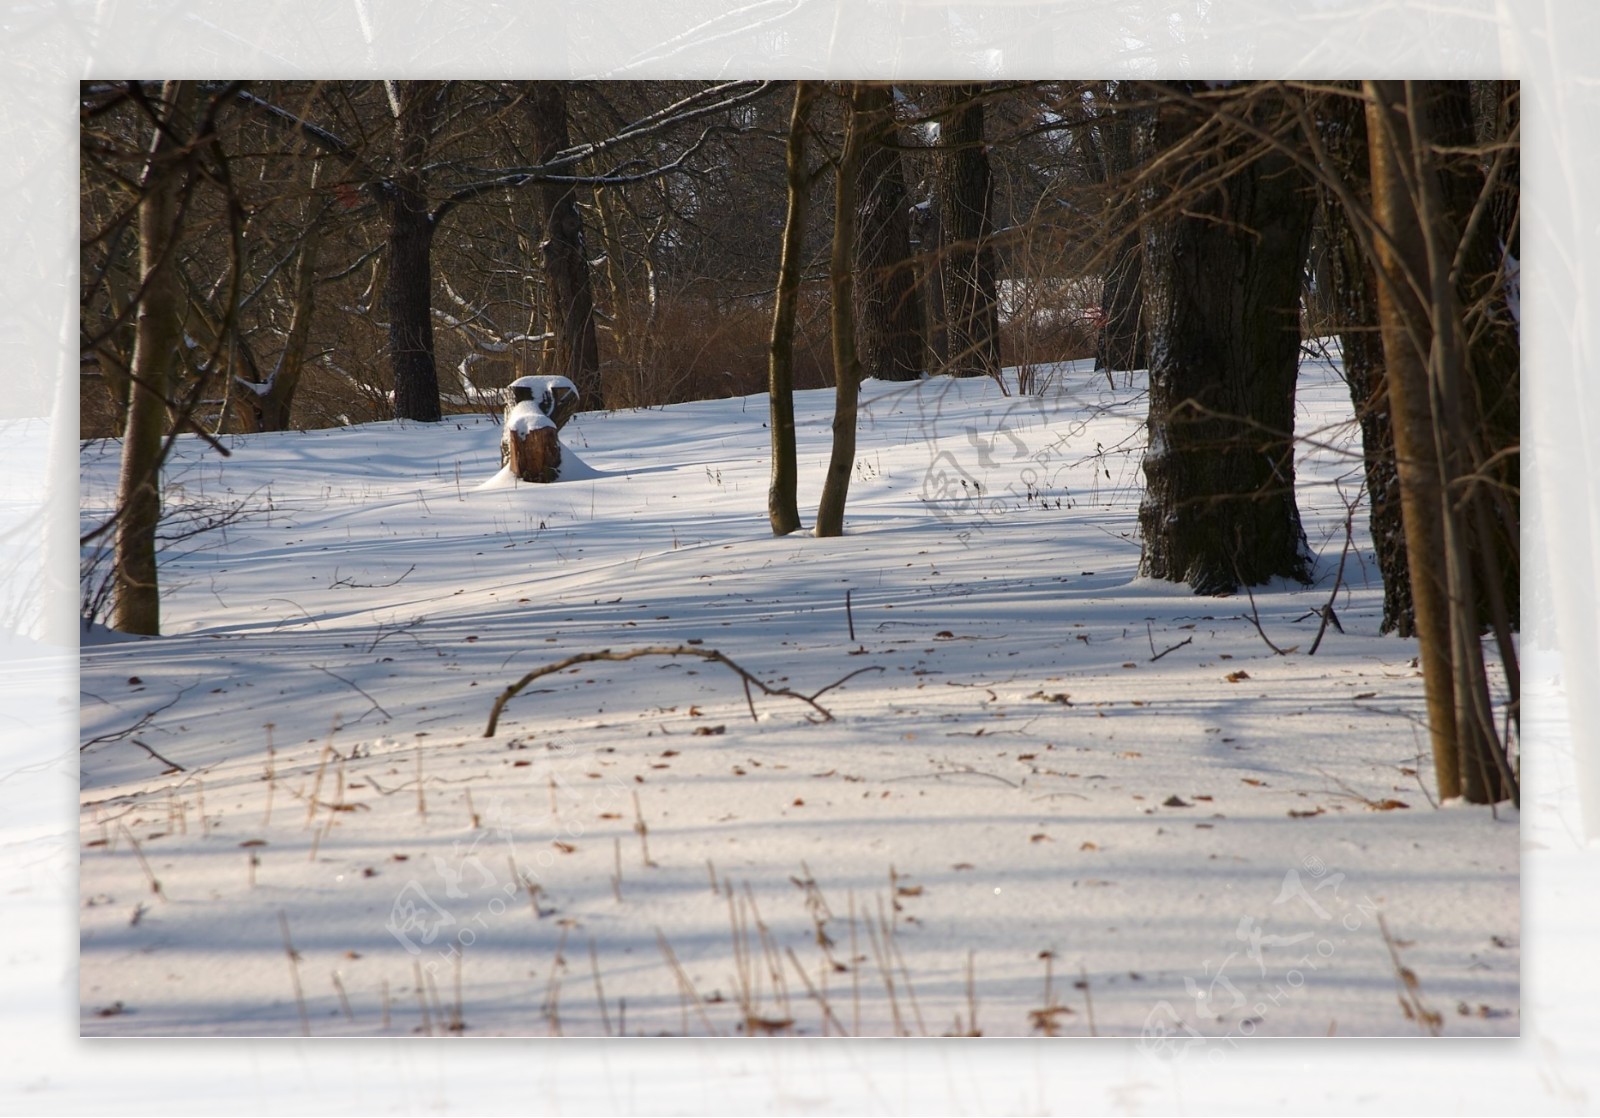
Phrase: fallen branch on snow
(678, 650)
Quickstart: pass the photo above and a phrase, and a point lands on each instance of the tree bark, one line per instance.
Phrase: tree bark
(1222, 288)
(966, 212)
(563, 252)
(1342, 122)
(846, 364)
(782, 506)
(1491, 399)
(888, 310)
(158, 332)
(410, 281)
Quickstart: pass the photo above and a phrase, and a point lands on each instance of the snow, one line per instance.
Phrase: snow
(524, 417)
(1102, 802)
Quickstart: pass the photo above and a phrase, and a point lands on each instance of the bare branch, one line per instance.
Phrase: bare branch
(677, 650)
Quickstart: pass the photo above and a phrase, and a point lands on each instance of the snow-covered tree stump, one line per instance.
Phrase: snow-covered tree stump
(536, 408)
(556, 397)
(532, 450)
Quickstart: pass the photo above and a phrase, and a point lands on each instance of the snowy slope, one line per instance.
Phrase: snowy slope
(1055, 797)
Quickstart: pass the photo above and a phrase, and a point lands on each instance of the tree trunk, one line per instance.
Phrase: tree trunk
(1222, 289)
(1122, 340)
(846, 365)
(888, 311)
(410, 288)
(266, 407)
(158, 333)
(1492, 396)
(1425, 348)
(565, 259)
(966, 205)
(782, 507)
(1354, 284)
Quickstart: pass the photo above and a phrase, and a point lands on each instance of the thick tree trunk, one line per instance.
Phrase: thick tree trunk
(1355, 306)
(566, 261)
(1122, 339)
(158, 332)
(410, 292)
(782, 507)
(965, 197)
(888, 310)
(846, 365)
(1222, 289)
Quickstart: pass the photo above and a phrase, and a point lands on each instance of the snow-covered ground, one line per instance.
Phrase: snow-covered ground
(1051, 796)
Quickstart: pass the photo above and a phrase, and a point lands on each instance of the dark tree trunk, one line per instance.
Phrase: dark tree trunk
(965, 197)
(410, 292)
(926, 237)
(1222, 289)
(566, 263)
(1122, 340)
(846, 365)
(1494, 352)
(1343, 125)
(782, 507)
(888, 310)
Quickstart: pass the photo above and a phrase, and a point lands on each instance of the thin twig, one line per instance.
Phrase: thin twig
(1338, 579)
(357, 687)
(1255, 619)
(172, 766)
(1174, 648)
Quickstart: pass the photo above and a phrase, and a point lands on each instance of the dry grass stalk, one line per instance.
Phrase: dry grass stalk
(155, 885)
(599, 990)
(294, 973)
(685, 986)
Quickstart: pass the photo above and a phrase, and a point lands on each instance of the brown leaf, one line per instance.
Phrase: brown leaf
(1387, 805)
(564, 847)
(1040, 837)
(1235, 677)
(1174, 801)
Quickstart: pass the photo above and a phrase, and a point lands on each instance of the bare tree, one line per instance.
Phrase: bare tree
(965, 195)
(782, 507)
(566, 262)
(1226, 224)
(1426, 348)
(888, 310)
(841, 280)
(1122, 337)
(166, 179)
(1340, 123)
